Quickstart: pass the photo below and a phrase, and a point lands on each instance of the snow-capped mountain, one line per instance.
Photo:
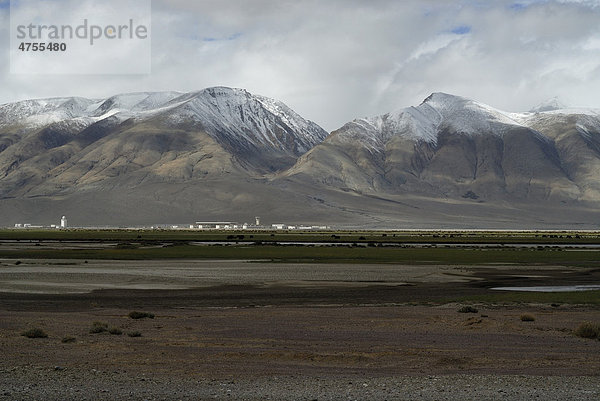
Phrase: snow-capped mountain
(244, 118)
(226, 154)
(225, 113)
(451, 147)
(59, 146)
(549, 105)
(443, 111)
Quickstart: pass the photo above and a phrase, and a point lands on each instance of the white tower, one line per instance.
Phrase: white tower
(257, 221)
(63, 222)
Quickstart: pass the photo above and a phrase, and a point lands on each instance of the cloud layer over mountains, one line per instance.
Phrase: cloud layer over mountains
(337, 59)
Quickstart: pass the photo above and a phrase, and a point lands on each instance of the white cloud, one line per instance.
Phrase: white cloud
(432, 46)
(335, 60)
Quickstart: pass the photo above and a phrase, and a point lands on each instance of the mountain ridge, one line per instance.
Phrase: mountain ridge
(43, 140)
(223, 153)
(450, 146)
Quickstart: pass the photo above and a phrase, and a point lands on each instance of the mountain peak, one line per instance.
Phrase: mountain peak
(442, 97)
(243, 116)
(263, 131)
(220, 90)
(549, 105)
(220, 110)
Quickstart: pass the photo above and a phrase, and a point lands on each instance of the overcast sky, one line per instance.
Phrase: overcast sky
(336, 60)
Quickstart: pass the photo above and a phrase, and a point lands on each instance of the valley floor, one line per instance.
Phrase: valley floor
(293, 331)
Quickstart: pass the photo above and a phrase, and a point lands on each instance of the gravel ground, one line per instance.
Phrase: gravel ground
(291, 342)
(37, 383)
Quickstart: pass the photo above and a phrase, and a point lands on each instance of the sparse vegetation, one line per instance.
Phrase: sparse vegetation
(128, 237)
(263, 248)
(526, 317)
(35, 333)
(141, 315)
(588, 330)
(470, 195)
(468, 309)
(68, 339)
(127, 245)
(134, 334)
(509, 297)
(115, 331)
(98, 327)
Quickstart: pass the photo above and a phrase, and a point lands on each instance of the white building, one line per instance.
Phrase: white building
(63, 222)
(216, 225)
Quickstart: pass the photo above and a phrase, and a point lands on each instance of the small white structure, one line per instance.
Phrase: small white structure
(63, 222)
(257, 221)
(215, 225)
(279, 226)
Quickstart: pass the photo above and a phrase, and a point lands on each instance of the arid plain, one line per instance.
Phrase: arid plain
(260, 329)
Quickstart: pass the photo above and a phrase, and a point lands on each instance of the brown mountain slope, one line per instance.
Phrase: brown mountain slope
(224, 154)
(531, 158)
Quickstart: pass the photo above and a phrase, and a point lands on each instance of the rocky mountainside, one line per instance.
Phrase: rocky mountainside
(58, 146)
(450, 147)
(225, 154)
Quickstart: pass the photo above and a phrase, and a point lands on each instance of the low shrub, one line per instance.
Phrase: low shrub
(134, 334)
(127, 245)
(68, 339)
(141, 315)
(527, 318)
(115, 330)
(35, 333)
(468, 309)
(98, 327)
(588, 330)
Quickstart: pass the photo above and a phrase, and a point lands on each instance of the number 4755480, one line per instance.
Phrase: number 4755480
(42, 47)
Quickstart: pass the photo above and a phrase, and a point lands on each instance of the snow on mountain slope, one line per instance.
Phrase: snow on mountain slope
(241, 116)
(549, 105)
(40, 112)
(233, 113)
(47, 145)
(132, 103)
(417, 123)
(467, 116)
(441, 111)
(450, 146)
(587, 126)
(219, 151)
(424, 122)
